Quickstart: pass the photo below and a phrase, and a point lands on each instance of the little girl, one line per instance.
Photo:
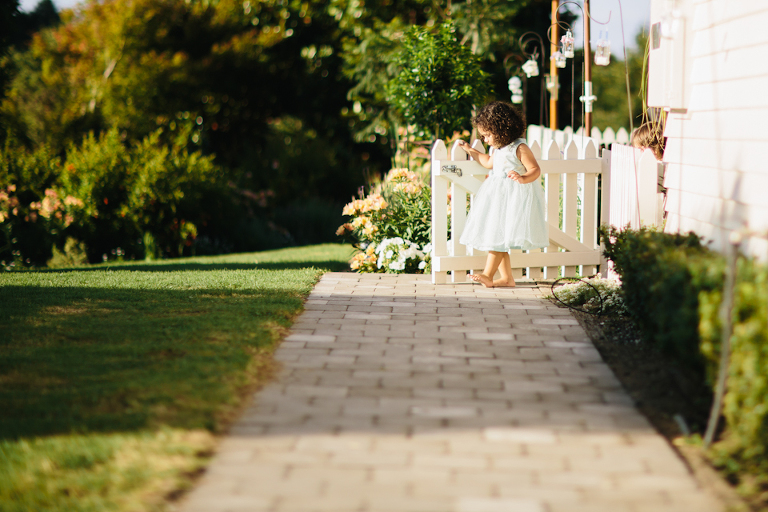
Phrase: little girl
(508, 209)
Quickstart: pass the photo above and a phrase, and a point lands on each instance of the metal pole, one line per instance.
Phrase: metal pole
(587, 73)
(553, 68)
(525, 97)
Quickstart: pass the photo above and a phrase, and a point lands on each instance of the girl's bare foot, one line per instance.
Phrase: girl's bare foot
(503, 283)
(482, 279)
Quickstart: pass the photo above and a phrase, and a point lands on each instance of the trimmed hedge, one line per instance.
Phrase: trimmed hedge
(673, 289)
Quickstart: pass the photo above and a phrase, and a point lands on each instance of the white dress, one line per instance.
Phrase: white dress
(506, 214)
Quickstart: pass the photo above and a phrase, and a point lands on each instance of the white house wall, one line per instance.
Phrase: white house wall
(717, 152)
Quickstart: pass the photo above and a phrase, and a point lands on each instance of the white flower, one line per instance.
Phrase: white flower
(422, 265)
(389, 254)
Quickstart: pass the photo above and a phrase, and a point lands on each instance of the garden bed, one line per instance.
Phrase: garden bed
(670, 398)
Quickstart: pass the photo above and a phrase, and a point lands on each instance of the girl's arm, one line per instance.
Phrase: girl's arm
(532, 169)
(481, 158)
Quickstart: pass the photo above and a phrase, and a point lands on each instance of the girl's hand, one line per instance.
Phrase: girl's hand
(514, 176)
(481, 158)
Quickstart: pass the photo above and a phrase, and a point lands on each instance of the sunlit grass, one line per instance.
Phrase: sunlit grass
(96, 472)
(114, 378)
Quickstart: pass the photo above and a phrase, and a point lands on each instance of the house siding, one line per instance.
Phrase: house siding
(717, 152)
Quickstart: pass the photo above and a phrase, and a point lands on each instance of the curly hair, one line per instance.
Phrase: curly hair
(501, 120)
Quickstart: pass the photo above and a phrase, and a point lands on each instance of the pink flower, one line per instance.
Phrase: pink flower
(73, 201)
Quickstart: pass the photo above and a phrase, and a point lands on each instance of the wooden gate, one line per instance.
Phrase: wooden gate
(570, 182)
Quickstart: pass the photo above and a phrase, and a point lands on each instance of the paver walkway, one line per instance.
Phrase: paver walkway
(400, 396)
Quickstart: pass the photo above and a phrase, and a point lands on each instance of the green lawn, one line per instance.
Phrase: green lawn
(114, 378)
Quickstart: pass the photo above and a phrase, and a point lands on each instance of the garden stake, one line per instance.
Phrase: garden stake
(726, 319)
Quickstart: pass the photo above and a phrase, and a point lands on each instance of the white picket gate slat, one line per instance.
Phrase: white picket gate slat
(439, 212)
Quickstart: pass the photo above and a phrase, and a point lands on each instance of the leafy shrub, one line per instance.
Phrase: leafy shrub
(673, 289)
(744, 447)
(662, 275)
(110, 196)
(25, 176)
(440, 81)
(130, 191)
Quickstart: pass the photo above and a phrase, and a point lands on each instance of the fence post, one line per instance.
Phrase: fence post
(439, 210)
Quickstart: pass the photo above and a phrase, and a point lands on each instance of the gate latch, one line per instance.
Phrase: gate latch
(453, 169)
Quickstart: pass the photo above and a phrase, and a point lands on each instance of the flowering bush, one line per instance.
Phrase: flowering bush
(399, 207)
(391, 225)
(51, 214)
(9, 205)
(581, 294)
(53, 208)
(365, 261)
(400, 255)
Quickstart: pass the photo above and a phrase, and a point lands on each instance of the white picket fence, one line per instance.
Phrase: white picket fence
(636, 194)
(570, 180)
(544, 135)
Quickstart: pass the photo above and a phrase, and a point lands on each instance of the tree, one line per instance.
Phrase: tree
(225, 69)
(439, 83)
(16, 28)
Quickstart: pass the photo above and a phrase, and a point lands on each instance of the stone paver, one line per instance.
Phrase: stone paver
(400, 396)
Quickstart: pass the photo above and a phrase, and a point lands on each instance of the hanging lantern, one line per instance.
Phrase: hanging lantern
(553, 86)
(530, 68)
(559, 59)
(603, 51)
(671, 20)
(516, 88)
(566, 44)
